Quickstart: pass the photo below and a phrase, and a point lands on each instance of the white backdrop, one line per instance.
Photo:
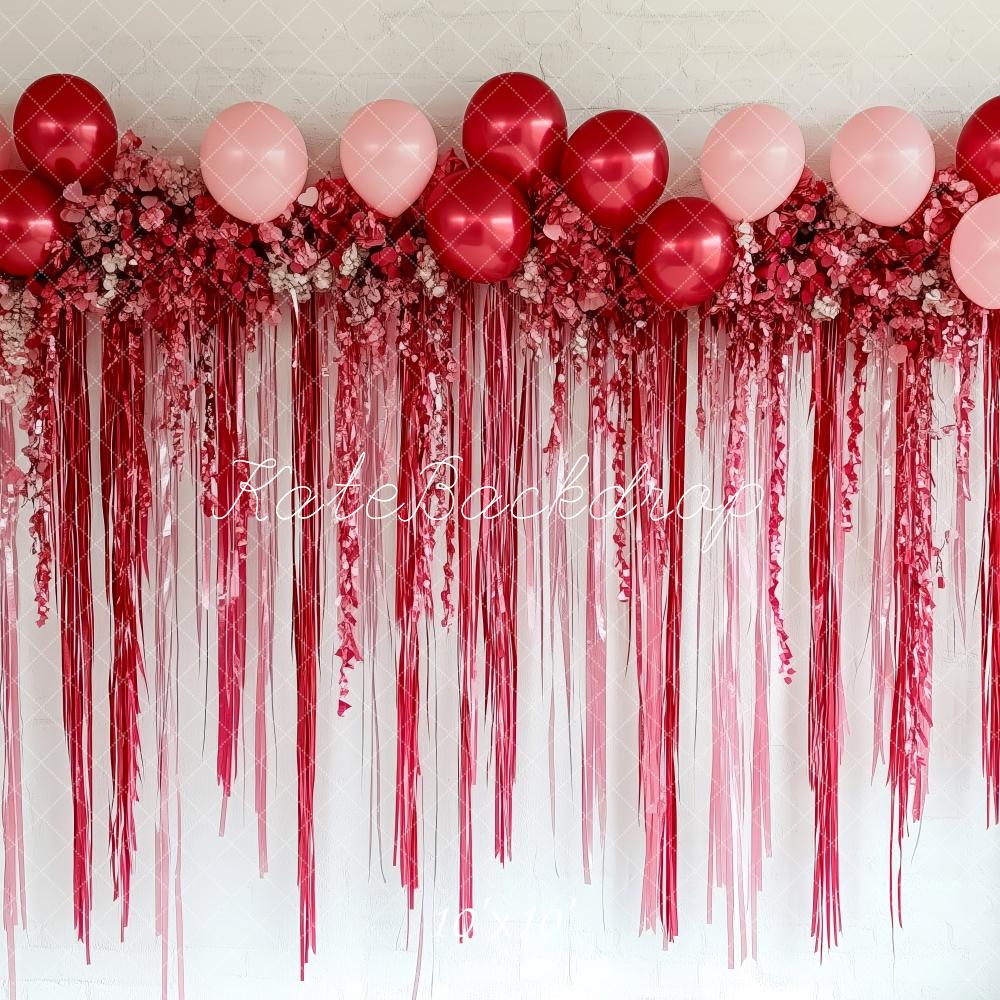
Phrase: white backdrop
(167, 67)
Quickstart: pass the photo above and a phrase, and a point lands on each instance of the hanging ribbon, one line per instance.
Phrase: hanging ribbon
(166, 690)
(71, 515)
(307, 523)
(229, 505)
(990, 571)
(12, 491)
(125, 498)
(468, 618)
(267, 571)
(659, 410)
(910, 720)
(826, 568)
(497, 556)
(594, 763)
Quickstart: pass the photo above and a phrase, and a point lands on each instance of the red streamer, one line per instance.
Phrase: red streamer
(826, 524)
(229, 505)
(497, 556)
(267, 571)
(71, 516)
(307, 481)
(659, 410)
(125, 497)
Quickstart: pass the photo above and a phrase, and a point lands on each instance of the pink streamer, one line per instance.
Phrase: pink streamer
(168, 819)
(910, 724)
(12, 491)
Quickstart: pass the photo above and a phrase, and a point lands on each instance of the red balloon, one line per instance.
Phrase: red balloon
(478, 225)
(978, 152)
(615, 167)
(64, 128)
(515, 126)
(684, 252)
(29, 219)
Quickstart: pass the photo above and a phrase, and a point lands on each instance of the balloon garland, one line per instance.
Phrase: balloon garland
(186, 273)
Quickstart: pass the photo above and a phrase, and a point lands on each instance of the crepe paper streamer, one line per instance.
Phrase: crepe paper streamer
(125, 499)
(72, 519)
(827, 520)
(12, 491)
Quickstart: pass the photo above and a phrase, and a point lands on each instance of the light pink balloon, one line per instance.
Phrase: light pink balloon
(254, 161)
(8, 157)
(882, 165)
(751, 161)
(975, 253)
(388, 152)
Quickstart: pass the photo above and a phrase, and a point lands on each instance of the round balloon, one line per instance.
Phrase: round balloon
(975, 253)
(978, 152)
(388, 153)
(478, 225)
(752, 160)
(684, 251)
(254, 161)
(29, 219)
(65, 129)
(882, 165)
(615, 167)
(515, 126)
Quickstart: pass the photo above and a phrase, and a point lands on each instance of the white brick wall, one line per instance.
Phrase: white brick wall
(167, 66)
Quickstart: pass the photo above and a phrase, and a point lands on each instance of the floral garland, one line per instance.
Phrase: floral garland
(180, 288)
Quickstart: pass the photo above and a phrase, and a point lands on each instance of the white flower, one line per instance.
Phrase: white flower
(744, 235)
(935, 302)
(826, 307)
(351, 261)
(428, 273)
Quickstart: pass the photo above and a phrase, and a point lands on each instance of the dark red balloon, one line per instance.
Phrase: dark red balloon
(478, 225)
(64, 128)
(978, 153)
(615, 167)
(29, 219)
(515, 126)
(684, 252)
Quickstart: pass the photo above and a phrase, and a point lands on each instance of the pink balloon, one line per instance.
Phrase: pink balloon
(751, 161)
(388, 152)
(254, 161)
(882, 165)
(975, 253)
(8, 157)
